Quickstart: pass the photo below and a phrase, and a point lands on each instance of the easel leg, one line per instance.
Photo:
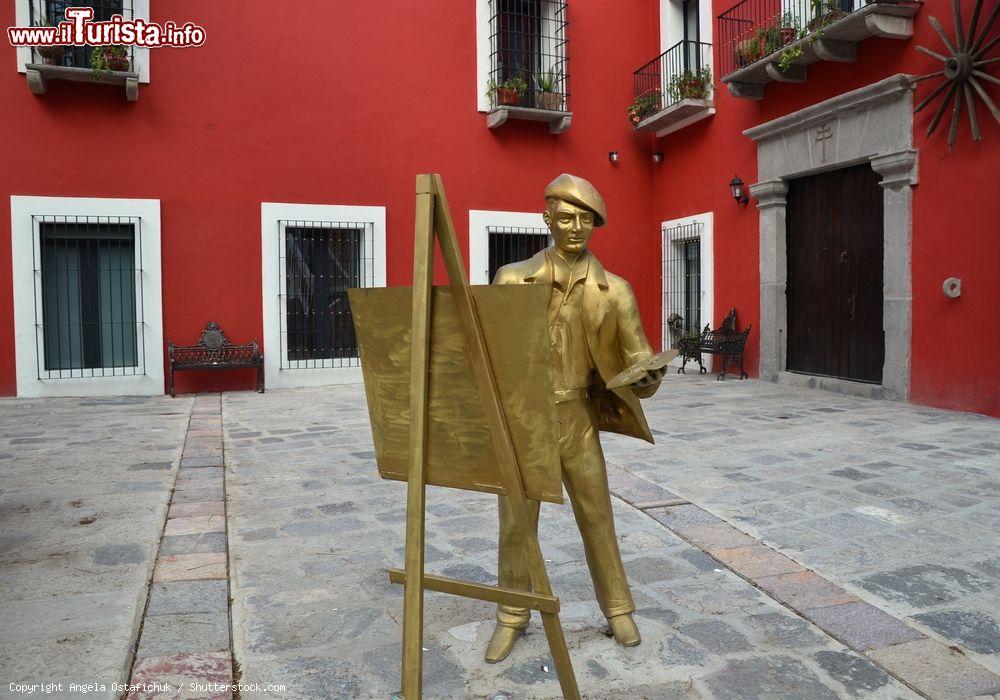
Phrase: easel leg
(413, 595)
(560, 655)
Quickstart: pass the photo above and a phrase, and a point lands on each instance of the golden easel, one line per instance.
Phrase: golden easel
(458, 433)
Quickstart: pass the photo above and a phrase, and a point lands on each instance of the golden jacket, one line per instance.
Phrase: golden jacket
(615, 338)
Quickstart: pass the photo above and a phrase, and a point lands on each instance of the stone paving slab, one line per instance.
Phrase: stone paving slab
(178, 671)
(895, 503)
(84, 493)
(313, 530)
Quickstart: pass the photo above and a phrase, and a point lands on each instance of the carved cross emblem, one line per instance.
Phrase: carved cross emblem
(823, 133)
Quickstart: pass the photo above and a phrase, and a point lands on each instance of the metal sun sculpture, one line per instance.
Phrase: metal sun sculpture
(963, 69)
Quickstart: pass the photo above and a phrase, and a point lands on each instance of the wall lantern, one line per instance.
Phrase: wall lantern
(658, 157)
(737, 189)
(613, 156)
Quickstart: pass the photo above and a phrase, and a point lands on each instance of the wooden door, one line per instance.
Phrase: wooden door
(834, 291)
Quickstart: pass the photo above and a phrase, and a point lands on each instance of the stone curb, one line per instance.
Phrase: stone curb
(926, 665)
(186, 632)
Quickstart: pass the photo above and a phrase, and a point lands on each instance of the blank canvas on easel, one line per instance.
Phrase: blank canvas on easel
(459, 449)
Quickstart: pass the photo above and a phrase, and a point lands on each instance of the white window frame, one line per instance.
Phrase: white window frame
(272, 214)
(140, 10)
(705, 253)
(25, 239)
(480, 221)
(672, 25)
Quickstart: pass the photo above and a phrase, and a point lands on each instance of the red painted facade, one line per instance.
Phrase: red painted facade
(343, 103)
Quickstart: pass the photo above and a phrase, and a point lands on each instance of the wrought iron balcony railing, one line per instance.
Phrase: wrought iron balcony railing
(42, 13)
(754, 29)
(681, 72)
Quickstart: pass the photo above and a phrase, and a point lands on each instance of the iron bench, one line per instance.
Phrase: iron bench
(214, 351)
(725, 341)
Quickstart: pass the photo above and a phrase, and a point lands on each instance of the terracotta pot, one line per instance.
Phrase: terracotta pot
(787, 35)
(114, 61)
(118, 63)
(550, 100)
(507, 96)
(693, 88)
(51, 54)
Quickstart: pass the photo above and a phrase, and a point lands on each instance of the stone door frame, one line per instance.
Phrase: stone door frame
(873, 124)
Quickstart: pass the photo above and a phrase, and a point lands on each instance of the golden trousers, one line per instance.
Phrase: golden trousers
(585, 476)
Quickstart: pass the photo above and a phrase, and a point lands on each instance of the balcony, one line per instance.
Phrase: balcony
(529, 76)
(109, 65)
(674, 89)
(761, 41)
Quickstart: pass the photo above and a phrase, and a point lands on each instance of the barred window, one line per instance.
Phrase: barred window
(528, 43)
(52, 12)
(683, 286)
(88, 296)
(320, 261)
(509, 244)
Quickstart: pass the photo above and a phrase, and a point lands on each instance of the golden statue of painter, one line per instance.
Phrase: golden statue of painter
(596, 334)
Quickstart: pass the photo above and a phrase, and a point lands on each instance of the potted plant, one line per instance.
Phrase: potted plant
(789, 28)
(508, 92)
(825, 13)
(643, 106)
(548, 95)
(108, 58)
(690, 84)
(747, 51)
(50, 54)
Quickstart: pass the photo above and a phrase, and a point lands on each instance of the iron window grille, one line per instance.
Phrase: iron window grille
(509, 244)
(318, 262)
(88, 296)
(682, 293)
(52, 12)
(528, 43)
(753, 29)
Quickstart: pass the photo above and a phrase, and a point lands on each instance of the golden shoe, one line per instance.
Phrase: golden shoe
(624, 629)
(501, 643)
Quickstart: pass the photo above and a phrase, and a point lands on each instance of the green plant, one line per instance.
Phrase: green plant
(547, 82)
(644, 105)
(105, 59)
(787, 56)
(690, 84)
(512, 86)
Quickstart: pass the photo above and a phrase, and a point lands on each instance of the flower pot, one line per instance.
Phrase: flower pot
(113, 59)
(693, 88)
(825, 20)
(787, 35)
(550, 100)
(118, 63)
(507, 96)
(50, 54)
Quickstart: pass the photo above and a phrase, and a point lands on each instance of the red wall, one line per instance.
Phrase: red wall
(955, 213)
(338, 103)
(343, 103)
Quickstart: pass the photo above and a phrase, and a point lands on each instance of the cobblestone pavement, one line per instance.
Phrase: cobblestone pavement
(83, 496)
(312, 530)
(900, 504)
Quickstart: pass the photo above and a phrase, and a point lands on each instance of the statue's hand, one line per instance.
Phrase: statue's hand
(652, 377)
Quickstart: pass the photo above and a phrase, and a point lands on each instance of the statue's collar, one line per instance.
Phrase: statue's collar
(538, 267)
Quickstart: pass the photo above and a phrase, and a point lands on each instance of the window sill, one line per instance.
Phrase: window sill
(836, 42)
(38, 75)
(677, 116)
(557, 120)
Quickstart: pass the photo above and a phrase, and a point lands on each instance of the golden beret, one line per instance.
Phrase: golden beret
(578, 191)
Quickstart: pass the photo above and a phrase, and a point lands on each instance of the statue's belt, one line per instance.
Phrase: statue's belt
(563, 395)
